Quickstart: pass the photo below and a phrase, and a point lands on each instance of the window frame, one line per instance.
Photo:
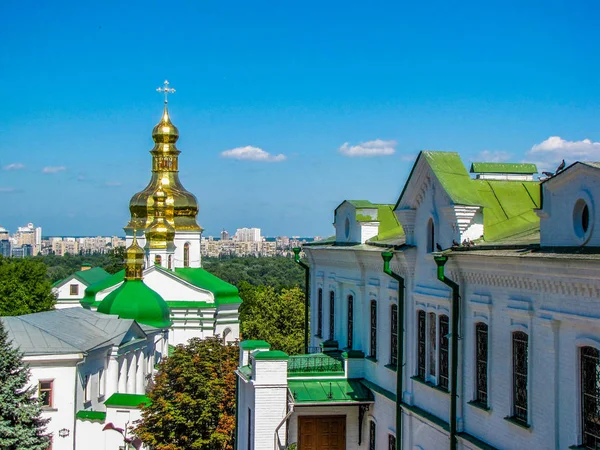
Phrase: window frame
(394, 335)
(481, 360)
(443, 356)
(320, 312)
(74, 289)
(186, 254)
(350, 323)
(50, 390)
(87, 389)
(421, 344)
(101, 383)
(372, 435)
(520, 409)
(373, 329)
(331, 315)
(391, 441)
(431, 347)
(596, 406)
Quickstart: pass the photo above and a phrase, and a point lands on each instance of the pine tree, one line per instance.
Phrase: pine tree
(21, 424)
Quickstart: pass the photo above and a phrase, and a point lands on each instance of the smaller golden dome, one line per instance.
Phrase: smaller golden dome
(165, 132)
(160, 233)
(134, 262)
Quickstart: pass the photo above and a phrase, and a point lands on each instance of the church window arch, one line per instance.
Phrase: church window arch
(226, 332)
(186, 254)
(157, 260)
(430, 236)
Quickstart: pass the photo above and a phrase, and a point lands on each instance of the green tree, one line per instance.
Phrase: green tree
(24, 287)
(193, 399)
(21, 424)
(276, 317)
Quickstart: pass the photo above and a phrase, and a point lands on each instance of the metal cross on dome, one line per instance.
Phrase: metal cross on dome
(166, 90)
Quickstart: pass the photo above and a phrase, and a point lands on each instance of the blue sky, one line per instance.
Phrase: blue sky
(348, 92)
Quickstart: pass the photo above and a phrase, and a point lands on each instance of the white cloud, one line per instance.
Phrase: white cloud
(53, 169)
(252, 154)
(493, 156)
(378, 147)
(9, 190)
(553, 150)
(113, 184)
(14, 166)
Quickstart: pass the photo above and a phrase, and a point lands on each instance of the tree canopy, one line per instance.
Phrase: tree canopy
(60, 267)
(24, 287)
(193, 399)
(274, 316)
(21, 424)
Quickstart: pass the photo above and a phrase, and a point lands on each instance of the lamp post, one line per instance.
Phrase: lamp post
(441, 260)
(306, 268)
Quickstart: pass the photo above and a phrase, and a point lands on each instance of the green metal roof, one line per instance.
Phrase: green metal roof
(388, 223)
(92, 290)
(93, 275)
(520, 168)
(134, 300)
(224, 292)
(127, 400)
(271, 354)
(253, 344)
(91, 415)
(324, 391)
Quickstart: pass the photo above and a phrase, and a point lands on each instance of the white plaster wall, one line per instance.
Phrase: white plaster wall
(62, 412)
(173, 289)
(193, 238)
(63, 293)
(245, 401)
(89, 435)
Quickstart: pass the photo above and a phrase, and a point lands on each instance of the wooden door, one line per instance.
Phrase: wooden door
(322, 433)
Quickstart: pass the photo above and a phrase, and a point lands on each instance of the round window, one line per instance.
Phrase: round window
(347, 228)
(582, 221)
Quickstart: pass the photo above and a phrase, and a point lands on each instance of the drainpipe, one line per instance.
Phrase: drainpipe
(441, 260)
(284, 420)
(306, 268)
(387, 257)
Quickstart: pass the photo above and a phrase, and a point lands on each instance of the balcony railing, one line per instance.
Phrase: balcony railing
(314, 363)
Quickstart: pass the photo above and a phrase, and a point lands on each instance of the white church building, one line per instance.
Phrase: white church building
(465, 316)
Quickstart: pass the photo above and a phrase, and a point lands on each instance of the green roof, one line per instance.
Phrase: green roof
(508, 206)
(224, 292)
(253, 344)
(91, 415)
(271, 354)
(513, 168)
(315, 363)
(127, 400)
(93, 275)
(330, 391)
(388, 223)
(134, 300)
(92, 290)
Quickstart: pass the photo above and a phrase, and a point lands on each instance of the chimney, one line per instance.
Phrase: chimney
(85, 266)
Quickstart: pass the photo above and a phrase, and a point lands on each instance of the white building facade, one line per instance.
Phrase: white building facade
(525, 333)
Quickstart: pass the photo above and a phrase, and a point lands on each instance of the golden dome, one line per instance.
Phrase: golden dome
(181, 205)
(160, 233)
(134, 261)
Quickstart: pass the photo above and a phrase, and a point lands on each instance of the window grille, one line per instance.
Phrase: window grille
(394, 336)
(350, 320)
(320, 313)
(432, 343)
(391, 442)
(421, 344)
(443, 351)
(373, 353)
(331, 315)
(519, 344)
(590, 397)
(372, 435)
(481, 362)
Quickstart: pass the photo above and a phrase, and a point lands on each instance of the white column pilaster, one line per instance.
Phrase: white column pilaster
(131, 370)
(112, 373)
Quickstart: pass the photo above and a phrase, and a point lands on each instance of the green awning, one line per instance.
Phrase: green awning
(329, 391)
(91, 415)
(126, 400)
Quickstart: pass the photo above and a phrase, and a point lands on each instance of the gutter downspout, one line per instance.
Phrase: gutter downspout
(387, 257)
(284, 420)
(441, 260)
(306, 268)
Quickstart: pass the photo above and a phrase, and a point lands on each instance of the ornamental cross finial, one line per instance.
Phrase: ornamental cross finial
(166, 90)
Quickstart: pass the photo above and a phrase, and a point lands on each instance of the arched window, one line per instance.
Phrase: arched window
(170, 262)
(430, 236)
(443, 351)
(320, 313)
(331, 315)
(186, 255)
(226, 332)
(372, 434)
(421, 344)
(590, 397)
(394, 336)
(373, 348)
(157, 260)
(520, 342)
(432, 343)
(481, 362)
(350, 320)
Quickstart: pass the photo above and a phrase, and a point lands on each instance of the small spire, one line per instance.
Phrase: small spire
(134, 263)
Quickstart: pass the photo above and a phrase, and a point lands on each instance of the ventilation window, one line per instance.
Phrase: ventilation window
(347, 228)
(582, 220)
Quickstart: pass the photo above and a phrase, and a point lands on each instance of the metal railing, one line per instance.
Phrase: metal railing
(314, 363)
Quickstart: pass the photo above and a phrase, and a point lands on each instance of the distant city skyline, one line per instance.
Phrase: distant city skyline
(279, 125)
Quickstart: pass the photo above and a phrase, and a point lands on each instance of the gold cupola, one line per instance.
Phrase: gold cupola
(160, 233)
(182, 206)
(134, 260)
